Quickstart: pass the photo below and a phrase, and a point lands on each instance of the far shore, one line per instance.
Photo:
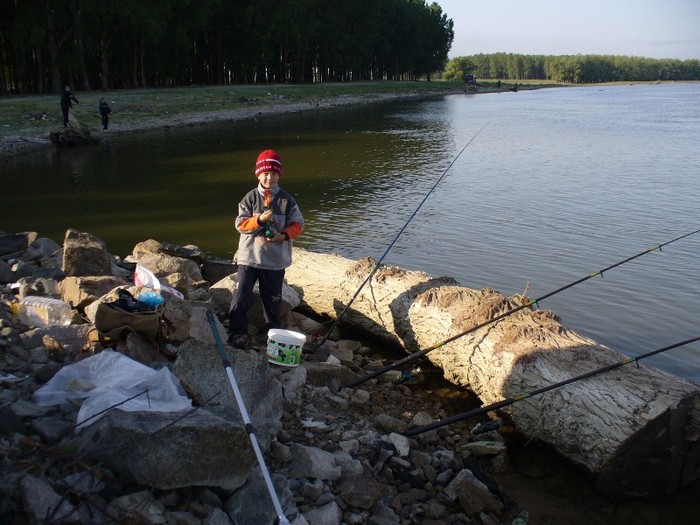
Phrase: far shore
(139, 110)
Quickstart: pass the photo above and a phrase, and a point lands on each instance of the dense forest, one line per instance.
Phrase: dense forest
(575, 69)
(118, 44)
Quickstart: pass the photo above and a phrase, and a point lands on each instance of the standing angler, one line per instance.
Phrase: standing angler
(66, 103)
(268, 219)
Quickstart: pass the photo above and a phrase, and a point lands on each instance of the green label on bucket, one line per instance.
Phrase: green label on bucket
(284, 347)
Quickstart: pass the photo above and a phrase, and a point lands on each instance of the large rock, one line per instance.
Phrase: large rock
(312, 462)
(41, 501)
(84, 254)
(207, 447)
(473, 496)
(81, 291)
(239, 508)
(200, 328)
(200, 370)
(13, 245)
(69, 338)
(177, 272)
(74, 135)
(7, 275)
(40, 250)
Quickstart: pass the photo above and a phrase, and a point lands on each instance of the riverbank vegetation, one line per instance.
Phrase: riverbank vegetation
(574, 69)
(37, 115)
(163, 43)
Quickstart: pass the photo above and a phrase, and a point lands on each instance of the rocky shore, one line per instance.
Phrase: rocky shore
(336, 455)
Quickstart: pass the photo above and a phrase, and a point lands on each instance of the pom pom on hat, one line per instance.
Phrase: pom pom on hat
(268, 160)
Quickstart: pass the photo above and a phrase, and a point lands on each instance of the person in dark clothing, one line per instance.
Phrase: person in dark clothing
(104, 113)
(66, 103)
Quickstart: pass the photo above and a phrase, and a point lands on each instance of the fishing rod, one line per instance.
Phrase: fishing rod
(511, 400)
(391, 245)
(527, 304)
(281, 518)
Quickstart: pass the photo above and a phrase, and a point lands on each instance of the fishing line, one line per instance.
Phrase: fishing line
(527, 304)
(511, 400)
(391, 245)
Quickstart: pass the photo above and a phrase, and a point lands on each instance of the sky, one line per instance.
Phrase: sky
(647, 28)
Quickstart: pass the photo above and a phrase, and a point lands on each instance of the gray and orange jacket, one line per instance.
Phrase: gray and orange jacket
(253, 248)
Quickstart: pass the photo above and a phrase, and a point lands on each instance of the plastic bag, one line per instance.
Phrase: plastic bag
(109, 378)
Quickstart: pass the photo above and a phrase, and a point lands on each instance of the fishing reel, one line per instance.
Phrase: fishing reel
(270, 229)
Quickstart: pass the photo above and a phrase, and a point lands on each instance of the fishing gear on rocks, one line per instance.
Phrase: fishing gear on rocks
(391, 245)
(527, 304)
(282, 520)
(411, 432)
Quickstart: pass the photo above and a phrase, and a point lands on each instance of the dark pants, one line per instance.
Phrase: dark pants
(105, 122)
(270, 284)
(65, 110)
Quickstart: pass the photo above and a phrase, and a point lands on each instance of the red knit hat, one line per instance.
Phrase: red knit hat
(268, 160)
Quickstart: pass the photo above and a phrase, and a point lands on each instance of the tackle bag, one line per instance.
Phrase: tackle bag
(117, 319)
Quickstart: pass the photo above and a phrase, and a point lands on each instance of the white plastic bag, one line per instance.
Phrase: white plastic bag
(145, 277)
(109, 378)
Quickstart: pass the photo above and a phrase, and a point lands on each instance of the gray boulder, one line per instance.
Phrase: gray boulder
(203, 447)
(199, 368)
(85, 254)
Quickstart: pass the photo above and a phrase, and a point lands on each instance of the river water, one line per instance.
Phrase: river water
(556, 184)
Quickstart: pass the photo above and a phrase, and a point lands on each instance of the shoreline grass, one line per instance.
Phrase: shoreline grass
(37, 115)
(33, 117)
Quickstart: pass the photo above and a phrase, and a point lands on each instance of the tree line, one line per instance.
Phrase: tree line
(575, 69)
(120, 44)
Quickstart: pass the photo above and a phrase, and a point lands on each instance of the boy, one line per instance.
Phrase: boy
(268, 219)
(105, 111)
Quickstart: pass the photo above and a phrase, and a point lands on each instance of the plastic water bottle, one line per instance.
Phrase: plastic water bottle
(34, 310)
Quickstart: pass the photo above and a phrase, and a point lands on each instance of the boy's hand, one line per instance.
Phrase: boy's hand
(266, 216)
(278, 237)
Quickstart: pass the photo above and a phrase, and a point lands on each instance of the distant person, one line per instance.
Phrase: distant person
(104, 113)
(268, 219)
(67, 99)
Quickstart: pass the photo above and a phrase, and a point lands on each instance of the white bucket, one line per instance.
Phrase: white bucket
(284, 347)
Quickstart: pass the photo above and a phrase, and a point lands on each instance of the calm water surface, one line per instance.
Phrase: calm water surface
(559, 184)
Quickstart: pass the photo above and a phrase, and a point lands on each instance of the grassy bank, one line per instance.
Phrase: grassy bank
(35, 116)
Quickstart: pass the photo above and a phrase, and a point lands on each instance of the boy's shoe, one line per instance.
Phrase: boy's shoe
(238, 341)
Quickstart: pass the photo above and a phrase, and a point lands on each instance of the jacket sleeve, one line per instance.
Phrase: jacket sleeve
(248, 225)
(293, 230)
(295, 222)
(247, 220)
